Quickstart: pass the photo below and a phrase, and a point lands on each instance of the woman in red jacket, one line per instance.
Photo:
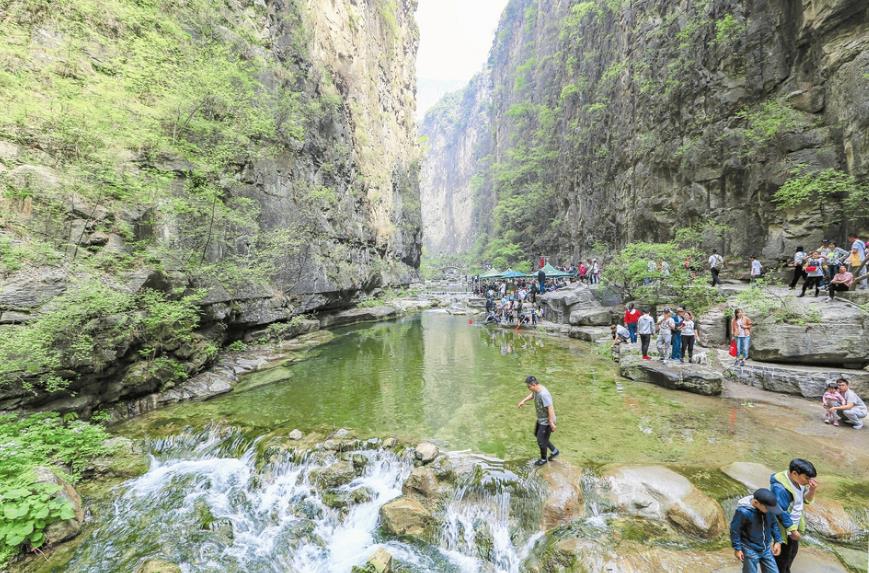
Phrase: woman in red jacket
(632, 315)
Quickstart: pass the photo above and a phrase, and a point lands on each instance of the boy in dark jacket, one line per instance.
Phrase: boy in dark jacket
(754, 533)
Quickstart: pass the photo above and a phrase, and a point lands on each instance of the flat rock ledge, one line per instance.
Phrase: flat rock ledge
(806, 381)
(673, 375)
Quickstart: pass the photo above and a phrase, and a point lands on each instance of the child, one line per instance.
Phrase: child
(754, 533)
(831, 398)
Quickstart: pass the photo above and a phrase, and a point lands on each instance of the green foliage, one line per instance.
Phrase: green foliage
(613, 72)
(16, 254)
(760, 301)
(768, 120)
(727, 28)
(29, 507)
(236, 346)
(806, 188)
(630, 271)
(87, 318)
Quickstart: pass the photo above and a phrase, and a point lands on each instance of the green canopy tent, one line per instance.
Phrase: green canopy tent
(512, 275)
(491, 274)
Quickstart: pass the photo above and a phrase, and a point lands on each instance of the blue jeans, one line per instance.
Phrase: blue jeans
(742, 344)
(755, 562)
(677, 347)
(632, 328)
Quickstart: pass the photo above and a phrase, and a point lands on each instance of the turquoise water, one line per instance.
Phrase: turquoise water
(434, 376)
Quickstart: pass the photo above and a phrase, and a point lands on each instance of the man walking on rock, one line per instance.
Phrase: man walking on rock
(645, 328)
(716, 261)
(545, 424)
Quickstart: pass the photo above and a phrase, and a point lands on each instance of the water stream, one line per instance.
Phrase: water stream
(214, 501)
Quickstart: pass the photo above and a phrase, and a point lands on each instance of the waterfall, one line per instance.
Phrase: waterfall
(212, 501)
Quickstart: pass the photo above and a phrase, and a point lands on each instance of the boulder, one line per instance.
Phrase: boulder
(426, 452)
(591, 316)
(380, 561)
(673, 375)
(406, 516)
(750, 474)
(655, 492)
(563, 501)
(589, 333)
(158, 566)
(334, 475)
(839, 339)
(421, 481)
(69, 528)
(201, 386)
(560, 302)
(296, 435)
(712, 328)
(125, 459)
(806, 381)
(25, 292)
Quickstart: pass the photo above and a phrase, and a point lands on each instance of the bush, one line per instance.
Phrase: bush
(29, 507)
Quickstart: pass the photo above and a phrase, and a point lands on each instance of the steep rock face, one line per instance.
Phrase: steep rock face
(457, 139)
(262, 153)
(621, 121)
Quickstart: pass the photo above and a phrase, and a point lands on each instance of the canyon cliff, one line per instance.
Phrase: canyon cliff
(620, 121)
(234, 163)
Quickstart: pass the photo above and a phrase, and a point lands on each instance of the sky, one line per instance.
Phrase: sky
(454, 41)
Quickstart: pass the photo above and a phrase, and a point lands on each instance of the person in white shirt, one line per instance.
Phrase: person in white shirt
(645, 327)
(665, 334)
(716, 261)
(689, 330)
(756, 269)
(799, 257)
(854, 409)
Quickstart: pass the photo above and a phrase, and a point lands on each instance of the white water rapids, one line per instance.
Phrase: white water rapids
(209, 505)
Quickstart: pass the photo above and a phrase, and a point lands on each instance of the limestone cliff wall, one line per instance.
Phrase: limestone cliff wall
(263, 153)
(649, 115)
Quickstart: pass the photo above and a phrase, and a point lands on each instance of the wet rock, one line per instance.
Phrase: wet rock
(390, 443)
(342, 434)
(69, 528)
(158, 566)
(406, 516)
(381, 561)
(125, 459)
(362, 495)
(334, 475)
(655, 492)
(359, 461)
(590, 316)
(752, 475)
(688, 377)
(421, 481)
(296, 435)
(563, 501)
(589, 333)
(426, 452)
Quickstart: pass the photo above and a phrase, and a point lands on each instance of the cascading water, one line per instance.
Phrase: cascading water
(210, 503)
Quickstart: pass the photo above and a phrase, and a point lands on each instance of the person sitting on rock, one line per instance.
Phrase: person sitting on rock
(754, 533)
(853, 410)
(841, 282)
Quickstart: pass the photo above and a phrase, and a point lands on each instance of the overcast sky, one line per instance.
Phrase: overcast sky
(455, 37)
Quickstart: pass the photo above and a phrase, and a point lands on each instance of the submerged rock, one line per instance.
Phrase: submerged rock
(334, 475)
(407, 517)
(655, 492)
(125, 459)
(158, 566)
(421, 481)
(563, 501)
(688, 377)
(296, 435)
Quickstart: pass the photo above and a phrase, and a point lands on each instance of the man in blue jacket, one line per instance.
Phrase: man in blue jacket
(754, 533)
(793, 489)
